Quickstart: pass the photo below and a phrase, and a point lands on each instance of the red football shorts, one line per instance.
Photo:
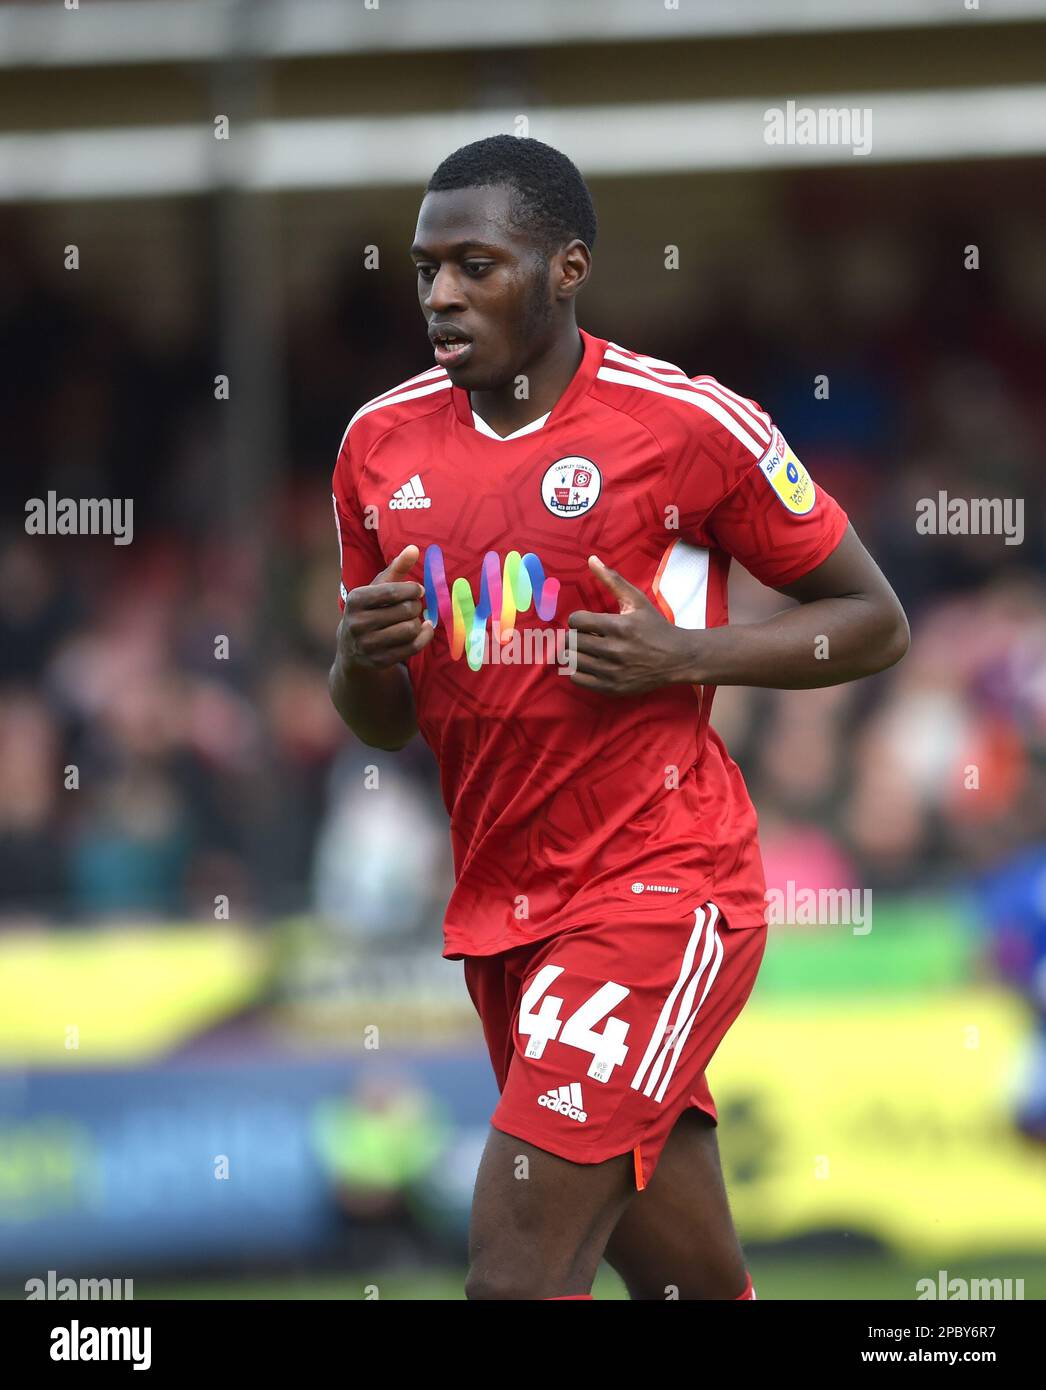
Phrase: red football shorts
(600, 1036)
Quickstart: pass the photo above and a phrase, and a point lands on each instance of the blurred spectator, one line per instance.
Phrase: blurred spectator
(379, 857)
(1012, 899)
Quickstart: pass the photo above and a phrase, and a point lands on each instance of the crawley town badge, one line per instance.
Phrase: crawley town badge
(787, 476)
(571, 487)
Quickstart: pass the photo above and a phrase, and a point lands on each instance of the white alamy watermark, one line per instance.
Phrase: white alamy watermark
(55, 1288)
(81, 516)
(819, 125)
(808, 907)
(943, 1287)
(971, 516)
(81, 1343)
(528, 646)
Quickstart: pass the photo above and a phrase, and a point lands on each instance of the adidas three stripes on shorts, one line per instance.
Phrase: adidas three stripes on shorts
(600, 1037)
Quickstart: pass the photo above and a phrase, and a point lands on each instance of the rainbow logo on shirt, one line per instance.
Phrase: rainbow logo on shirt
(503, 592)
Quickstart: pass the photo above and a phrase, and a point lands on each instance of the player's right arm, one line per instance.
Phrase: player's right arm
(381, 626)
(380, 629)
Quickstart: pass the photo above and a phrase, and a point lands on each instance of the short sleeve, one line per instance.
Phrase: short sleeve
(772, 517)
(358, 549)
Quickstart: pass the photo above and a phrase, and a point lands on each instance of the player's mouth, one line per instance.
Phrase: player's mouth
(451, 346)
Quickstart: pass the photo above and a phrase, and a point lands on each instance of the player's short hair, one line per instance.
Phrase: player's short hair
(552, 202)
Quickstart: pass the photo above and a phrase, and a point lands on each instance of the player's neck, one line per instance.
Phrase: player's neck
(547, 379)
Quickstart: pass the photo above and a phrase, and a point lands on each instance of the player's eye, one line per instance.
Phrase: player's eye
(474, 269)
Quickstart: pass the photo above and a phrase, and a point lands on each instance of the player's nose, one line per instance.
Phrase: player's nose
(444, 291)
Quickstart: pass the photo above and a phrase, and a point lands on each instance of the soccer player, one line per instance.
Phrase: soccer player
(535, 535)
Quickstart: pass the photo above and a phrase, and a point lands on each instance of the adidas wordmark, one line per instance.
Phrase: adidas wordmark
(410, 496)
(565, 1100)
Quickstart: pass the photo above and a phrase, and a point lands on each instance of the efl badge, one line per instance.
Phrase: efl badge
(788, 478)
(571, 487)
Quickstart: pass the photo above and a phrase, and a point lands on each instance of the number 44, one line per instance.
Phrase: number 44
(542, 1025)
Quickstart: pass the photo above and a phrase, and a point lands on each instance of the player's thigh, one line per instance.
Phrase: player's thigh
(676, 1238)
(540, 1223)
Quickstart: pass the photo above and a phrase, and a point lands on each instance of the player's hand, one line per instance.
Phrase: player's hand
(632, 651)
(382, 621)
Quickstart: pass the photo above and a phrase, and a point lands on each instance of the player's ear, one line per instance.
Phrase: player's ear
(575, 267)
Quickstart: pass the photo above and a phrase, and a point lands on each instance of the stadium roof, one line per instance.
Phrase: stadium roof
(112, 32)
(628, 138)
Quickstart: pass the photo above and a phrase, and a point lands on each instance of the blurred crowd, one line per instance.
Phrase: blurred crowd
(143, 775)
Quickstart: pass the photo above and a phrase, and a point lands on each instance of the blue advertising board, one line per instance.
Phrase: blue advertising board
(185, 1163)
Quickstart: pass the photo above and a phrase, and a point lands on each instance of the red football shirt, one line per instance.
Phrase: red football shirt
(567, 806)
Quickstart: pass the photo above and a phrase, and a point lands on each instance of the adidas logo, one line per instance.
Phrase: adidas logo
(565, 1100)
(410, 496)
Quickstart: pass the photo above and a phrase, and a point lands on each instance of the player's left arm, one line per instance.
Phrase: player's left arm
(849, 593)
(789, 533)
(848, 624)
